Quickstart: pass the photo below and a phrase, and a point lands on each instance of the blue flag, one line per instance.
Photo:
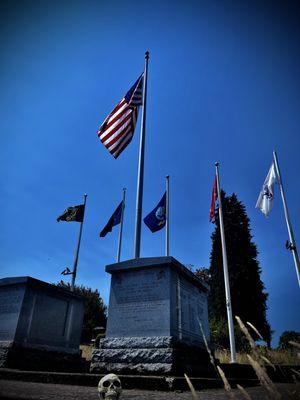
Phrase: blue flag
(114, 220)
(156, 220)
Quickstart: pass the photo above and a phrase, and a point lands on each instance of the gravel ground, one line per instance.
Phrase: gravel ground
(40, 391)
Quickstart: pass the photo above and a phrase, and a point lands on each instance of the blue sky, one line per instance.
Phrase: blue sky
(223, 85)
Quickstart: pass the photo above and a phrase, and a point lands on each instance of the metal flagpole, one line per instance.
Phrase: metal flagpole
(292, 244)
(226, 277)
(140, 182)
(77, 250)
(167, 214)
(121, 227)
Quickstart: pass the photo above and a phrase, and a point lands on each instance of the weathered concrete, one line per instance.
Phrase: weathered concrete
(12, 390)
(242, 374)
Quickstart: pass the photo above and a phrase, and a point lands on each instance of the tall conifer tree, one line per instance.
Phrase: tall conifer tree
(248, 297)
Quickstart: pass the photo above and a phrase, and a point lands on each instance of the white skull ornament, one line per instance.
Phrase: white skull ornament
(109, 387)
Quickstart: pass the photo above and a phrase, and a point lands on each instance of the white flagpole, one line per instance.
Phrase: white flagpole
(167, 215)
(74, 272)
(121, 227)
(293, 247)
(226, 277)
(140, 182)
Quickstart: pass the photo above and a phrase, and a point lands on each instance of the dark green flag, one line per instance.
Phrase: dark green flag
(75, 213)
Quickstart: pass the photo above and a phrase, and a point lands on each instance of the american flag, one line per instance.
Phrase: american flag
(117, 130)
(214, 196)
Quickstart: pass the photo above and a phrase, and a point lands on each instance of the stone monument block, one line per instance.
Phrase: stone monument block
(40, 325)
(155, 307)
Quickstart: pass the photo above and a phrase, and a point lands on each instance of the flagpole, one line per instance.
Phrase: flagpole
(226, 276)
(74, 272)
(293, 247)
(121, 227)
(167, 215)
(140, 182)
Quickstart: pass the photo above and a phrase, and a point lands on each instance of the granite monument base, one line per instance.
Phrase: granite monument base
(40, 326)
(150, 356)
(30, 359)
(156, 307)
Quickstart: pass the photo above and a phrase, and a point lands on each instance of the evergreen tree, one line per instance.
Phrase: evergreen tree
(248, 297)
(95, 310)
(203, 273)
(287, 337)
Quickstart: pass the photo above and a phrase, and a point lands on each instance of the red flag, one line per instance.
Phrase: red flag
(214, 197)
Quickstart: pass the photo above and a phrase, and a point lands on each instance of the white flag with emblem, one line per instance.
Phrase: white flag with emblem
(266, 195)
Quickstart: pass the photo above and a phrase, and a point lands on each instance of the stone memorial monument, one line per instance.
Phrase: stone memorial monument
(153, 325)
(40, 325)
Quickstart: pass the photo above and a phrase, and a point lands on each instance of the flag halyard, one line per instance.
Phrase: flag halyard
(117, 130)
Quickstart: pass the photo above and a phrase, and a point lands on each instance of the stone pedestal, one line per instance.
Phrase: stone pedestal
(40, 325)
(153, 320)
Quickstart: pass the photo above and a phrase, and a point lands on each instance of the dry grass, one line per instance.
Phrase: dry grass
(257, 363)
(192, 389)
(255, 330)
(245, 393)
(295, 344)
(226, 384)
(211, 357)
(245, 331)
(275, 356)
(264, 379)
(86, 351)
(258, 360)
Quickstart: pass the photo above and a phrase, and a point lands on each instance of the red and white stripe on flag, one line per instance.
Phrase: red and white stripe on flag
(117, 130)
(214, 197)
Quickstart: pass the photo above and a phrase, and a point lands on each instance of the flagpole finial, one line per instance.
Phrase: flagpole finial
(147, 55)
(167, 176)
(216, 164)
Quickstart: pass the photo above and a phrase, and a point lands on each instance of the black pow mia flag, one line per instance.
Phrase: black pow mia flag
(75, 213)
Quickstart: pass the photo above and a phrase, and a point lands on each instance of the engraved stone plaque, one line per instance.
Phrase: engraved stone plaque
(156, 297)
(139, 303)
(193, 303)
(56, 310)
